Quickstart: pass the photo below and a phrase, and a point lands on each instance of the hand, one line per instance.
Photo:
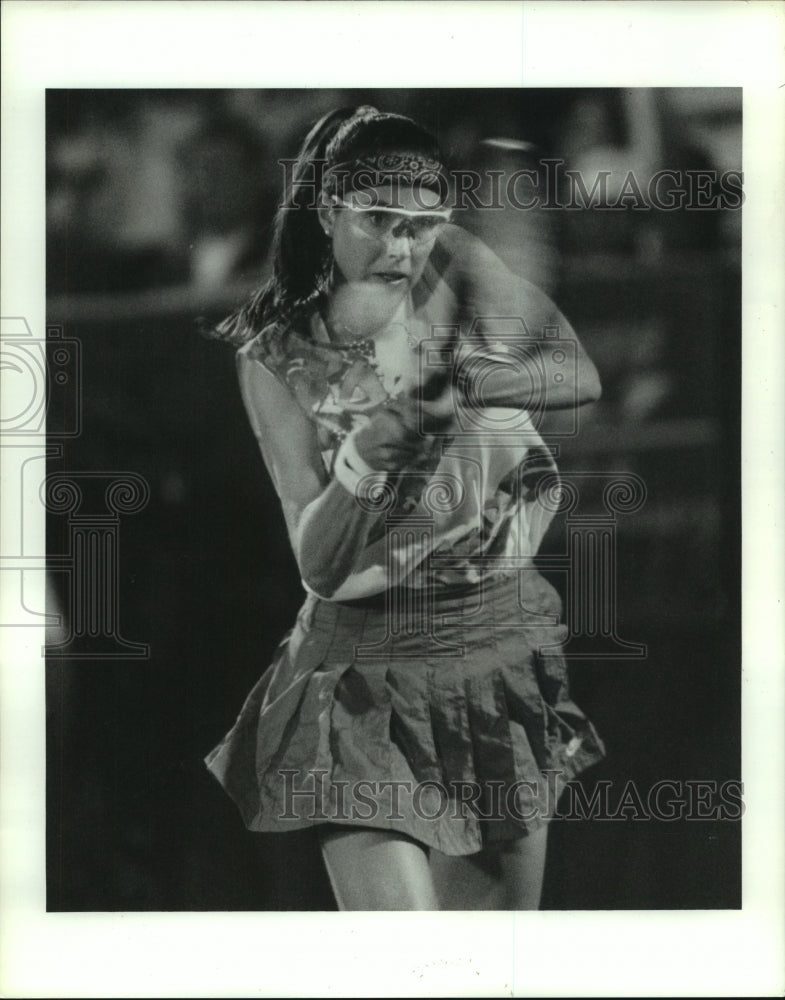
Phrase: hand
(398, 435)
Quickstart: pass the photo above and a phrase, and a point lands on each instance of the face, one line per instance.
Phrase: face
(387, 250)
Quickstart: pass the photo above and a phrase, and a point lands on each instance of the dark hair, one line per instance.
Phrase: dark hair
(300, 249)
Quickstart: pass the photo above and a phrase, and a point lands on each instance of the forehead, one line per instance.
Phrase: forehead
(396, 194)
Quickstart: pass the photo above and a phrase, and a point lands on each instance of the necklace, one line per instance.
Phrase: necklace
(366, 346)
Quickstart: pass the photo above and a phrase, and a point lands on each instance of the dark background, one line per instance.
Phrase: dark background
(159, 205)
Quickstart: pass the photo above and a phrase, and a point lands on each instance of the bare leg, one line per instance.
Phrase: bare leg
(507, 876)
(377, 869)
(470, 882)
(523, 868)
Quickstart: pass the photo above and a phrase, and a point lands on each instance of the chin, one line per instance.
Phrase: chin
(391, 290)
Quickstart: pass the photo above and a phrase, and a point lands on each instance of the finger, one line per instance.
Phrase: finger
(387, 423)
(428, 417)
(435, 385)
(395, 460)
(389, 447)
(399, 456)
(436, 422)
(407, 418)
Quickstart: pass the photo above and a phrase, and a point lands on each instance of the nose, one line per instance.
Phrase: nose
(399, 243)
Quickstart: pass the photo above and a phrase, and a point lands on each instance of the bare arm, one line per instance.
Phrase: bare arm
(496, 304)
(327, 528)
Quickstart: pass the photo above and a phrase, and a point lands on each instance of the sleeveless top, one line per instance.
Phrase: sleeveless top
(479, 503)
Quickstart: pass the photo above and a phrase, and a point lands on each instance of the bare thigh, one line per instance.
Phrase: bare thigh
(377, 869)
(507, 876)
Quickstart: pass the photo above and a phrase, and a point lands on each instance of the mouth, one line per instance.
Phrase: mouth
(391, 277)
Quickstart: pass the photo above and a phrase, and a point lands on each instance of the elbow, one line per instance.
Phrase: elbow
(589, 386)
(316, 578)
(594, 389)
(322, 580)
(320, 585)
(322, 571)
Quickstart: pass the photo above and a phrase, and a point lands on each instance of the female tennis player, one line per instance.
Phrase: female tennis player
(394, 373)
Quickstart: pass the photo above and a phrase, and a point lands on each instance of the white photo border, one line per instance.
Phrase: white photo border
(556, 44)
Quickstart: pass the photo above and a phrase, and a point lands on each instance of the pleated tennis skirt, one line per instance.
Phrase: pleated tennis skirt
(444, 716)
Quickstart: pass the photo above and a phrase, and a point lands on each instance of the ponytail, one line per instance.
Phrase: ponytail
(300, 249)
(302, 254)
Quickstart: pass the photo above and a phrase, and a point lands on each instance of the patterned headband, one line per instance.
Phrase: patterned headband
(379, 169)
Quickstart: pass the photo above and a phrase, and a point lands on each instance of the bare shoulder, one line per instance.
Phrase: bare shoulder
(467, 261)
(459, 249)
(286, 437)
(481, 280)
(269, 402)
(459, 240)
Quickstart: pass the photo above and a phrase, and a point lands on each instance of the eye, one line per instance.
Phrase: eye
(377, 219)
(426, 226)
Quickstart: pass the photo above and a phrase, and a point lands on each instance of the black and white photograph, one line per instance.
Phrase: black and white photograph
(512, 575)
(382, 460)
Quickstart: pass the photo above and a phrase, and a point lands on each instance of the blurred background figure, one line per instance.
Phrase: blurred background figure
(112, 193)
(639, 132)
(525, 239)
(227, 202)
